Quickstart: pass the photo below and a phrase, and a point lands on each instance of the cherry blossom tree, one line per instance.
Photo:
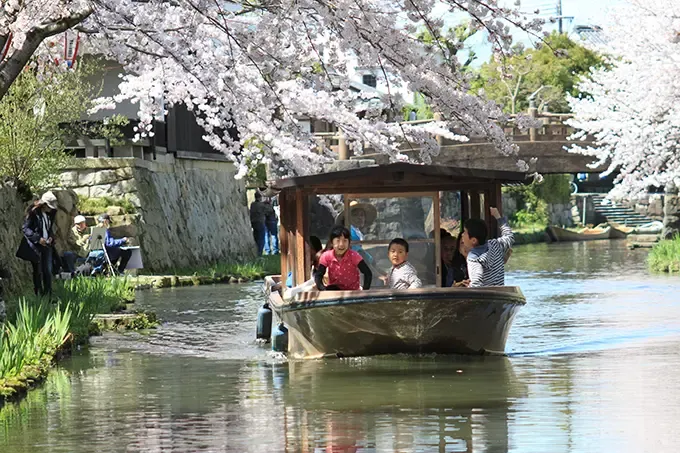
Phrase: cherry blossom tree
(258, 67)
(634, 111)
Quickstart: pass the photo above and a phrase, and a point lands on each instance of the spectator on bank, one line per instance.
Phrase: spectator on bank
(113, 246)
(258, 216)
(77, 243)
(271, 222)
(37, 245)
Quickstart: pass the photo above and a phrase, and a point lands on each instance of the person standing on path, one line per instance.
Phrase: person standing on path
(38, 242)
(271, 238)
(258, 215)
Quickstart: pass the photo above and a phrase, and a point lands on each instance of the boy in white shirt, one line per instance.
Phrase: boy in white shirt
(402, 275)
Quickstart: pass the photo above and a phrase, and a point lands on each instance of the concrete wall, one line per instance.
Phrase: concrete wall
(189, 212)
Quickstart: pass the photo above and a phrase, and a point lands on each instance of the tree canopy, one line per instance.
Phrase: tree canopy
(260, 66)
(633, 112)
(555, 68)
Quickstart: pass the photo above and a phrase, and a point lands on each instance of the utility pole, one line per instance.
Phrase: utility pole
(559, 16)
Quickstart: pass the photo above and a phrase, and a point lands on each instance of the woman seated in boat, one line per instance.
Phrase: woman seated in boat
(454, 262)
(343, 264)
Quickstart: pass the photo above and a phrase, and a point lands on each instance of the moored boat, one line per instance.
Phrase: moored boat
(431, 319)
(619, 231)
(586, 234)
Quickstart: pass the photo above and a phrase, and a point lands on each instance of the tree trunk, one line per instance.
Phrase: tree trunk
(16, 61)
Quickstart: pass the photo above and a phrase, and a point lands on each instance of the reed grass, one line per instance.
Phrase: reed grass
(28, 344)
(665, 256)
(37, 328)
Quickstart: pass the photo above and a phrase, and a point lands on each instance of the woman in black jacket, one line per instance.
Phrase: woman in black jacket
(37, 245)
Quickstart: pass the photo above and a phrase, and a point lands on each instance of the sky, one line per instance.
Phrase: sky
(584, 12)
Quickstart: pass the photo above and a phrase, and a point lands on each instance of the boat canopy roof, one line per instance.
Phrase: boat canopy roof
(400, 177)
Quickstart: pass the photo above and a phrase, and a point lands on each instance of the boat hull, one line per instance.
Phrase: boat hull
(422, 321)
(564, 235)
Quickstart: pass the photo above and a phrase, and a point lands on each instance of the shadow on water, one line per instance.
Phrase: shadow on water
(598, 336)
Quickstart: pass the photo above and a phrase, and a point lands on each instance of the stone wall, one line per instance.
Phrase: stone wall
(11, 219)
(189, 212)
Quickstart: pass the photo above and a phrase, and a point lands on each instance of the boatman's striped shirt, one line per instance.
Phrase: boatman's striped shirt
(485, 262)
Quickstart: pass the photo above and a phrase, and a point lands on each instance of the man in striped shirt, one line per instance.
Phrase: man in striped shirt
(485, 261)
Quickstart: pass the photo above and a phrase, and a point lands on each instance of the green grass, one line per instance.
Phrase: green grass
(29, 343)
(36, 328)
(665, 256)
(95, 206)
(264, 265)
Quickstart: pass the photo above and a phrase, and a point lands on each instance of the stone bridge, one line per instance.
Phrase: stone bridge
(546, 143)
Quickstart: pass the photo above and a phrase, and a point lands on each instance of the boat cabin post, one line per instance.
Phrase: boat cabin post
(401, 184)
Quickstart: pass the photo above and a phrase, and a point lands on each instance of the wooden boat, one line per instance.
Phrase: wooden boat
(619, 231)
(384, 321)
(587, 234)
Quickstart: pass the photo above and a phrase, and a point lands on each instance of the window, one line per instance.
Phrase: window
(370, 80)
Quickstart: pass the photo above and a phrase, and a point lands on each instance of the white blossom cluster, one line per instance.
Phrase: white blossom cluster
(258, 67)
(634, 112)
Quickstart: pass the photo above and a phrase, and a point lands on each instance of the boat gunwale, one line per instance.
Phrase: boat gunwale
(508, 294)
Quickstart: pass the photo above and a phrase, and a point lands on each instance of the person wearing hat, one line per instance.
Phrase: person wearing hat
(77, 243)
(38, 242)
(113, 246)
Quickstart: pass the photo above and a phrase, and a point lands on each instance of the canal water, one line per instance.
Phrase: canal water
(593, 366)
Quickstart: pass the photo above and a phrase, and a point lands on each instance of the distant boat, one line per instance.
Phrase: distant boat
(619, 231)
(586, 234)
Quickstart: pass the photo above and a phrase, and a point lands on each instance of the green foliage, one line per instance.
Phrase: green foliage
(40, 112)
(557, 66)
(264, 265)
(451, 40)
(535, 197)
(95, 206)
(422, 108)
(28, 344)
(665, 256)
(554, 188)
(36, 328)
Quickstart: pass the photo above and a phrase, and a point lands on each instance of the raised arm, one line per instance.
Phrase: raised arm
(507, 238)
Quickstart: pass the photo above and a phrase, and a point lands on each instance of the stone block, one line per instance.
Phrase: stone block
(83, 192)
(124, 231)
(98, 177)
(115, 211)
(69, 178)
(134, 199)
(100, 191)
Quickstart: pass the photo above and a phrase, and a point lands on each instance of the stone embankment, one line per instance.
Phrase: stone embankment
(168, 281)
(187, 212)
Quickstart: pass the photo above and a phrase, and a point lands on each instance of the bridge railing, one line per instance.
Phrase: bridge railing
(553, 128)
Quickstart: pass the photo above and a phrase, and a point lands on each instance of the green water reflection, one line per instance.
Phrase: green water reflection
(593, 366)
